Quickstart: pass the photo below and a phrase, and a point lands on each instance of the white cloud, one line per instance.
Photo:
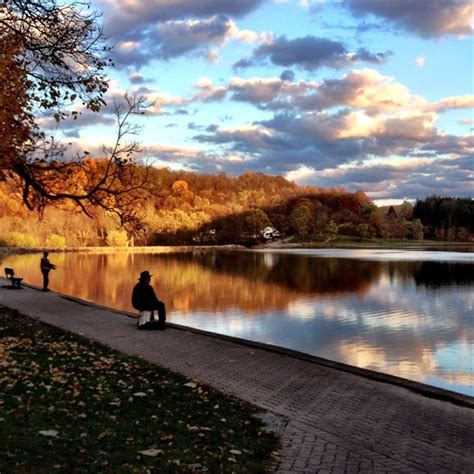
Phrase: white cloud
(302, 174)
(420, 61)
(455, 102)
(248, 36)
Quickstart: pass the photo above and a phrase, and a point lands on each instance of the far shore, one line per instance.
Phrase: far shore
(366, 244)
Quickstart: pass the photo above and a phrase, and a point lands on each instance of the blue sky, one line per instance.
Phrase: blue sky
(371, 95)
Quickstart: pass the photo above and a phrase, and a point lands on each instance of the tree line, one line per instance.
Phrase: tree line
(178, 207)
(446, 218)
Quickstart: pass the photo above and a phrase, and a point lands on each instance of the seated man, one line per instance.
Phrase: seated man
(149, 306)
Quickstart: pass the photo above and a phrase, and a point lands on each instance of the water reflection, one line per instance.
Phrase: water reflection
(436, 275)
(407, 317)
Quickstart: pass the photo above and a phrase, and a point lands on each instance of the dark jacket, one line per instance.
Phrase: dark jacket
(144, 298)
(45, 265)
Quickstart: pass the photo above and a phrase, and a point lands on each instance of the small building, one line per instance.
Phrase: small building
(270, 233)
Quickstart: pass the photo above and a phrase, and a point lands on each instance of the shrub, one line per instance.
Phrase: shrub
(56, 241)
(19, 239)
(117, 238)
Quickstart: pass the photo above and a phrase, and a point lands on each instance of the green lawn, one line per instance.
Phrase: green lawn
(70, 405)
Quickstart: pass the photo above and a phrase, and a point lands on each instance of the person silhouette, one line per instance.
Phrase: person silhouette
(46, 266)
(149, 306)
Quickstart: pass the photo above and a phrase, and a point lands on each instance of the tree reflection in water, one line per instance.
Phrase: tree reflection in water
(251, 281)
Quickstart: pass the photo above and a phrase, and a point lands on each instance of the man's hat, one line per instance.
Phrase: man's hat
(144, 275)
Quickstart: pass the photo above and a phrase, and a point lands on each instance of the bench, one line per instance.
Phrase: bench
(15, 281)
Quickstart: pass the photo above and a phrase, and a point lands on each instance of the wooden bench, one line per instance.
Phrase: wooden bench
(15, 281)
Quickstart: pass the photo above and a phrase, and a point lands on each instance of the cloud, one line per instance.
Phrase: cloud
(213, 56)
(128, 15)
(175, 38)
(247, 137)
(302, 142)
(309, 53)
(287, 75)
(207, 92)
(130, 53)
(430, 20)
(455, 102)
(417, 178)
(248, 36)
(360, 89)
(269, 92)
(302, 174)
(363, 89)
(137, 78)
(85, 117)
(171, 152)
(154, 29)
(159, 100)
(420, 61)
(195, 159)
(71, 128)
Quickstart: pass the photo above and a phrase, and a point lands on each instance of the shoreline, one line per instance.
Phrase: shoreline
(395, 245)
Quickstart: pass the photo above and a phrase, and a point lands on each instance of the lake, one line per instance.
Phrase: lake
(402, 312)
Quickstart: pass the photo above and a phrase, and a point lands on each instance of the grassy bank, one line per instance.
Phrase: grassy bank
(70, 405)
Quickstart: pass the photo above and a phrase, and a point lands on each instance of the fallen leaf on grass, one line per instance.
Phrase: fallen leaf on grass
(49, 433)
(139, 394)
(151, 452)
(194, 466)
(191, 384)
(235, 451)
(104, 434)
(199, 428)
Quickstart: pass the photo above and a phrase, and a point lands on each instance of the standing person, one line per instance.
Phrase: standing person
(146, 302)
(46, 266)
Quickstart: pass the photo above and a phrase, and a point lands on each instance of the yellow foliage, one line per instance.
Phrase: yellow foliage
(18, 239)
(117, 238)
(56, 241)
(179, 186)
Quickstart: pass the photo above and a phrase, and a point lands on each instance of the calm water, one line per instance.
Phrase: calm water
(407, 313)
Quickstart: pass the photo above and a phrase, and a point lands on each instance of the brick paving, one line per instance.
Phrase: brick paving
(331, 421)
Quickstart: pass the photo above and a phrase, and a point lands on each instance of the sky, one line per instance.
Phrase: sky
(369, 95)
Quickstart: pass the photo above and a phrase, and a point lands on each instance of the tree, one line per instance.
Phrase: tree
(301, 218)
(53, 59)
(446, 217)
(117, 238)
(16, 121)
(255, 221)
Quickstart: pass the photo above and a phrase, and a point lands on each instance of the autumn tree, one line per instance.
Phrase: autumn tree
(256, 220)
(301, 218)
(53, 59)
(16, 120)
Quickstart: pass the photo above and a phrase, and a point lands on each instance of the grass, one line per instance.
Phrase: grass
(71, 405)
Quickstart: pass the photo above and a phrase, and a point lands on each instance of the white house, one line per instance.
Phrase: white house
(270, 233)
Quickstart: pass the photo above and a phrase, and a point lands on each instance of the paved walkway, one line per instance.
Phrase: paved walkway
(331, 420)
